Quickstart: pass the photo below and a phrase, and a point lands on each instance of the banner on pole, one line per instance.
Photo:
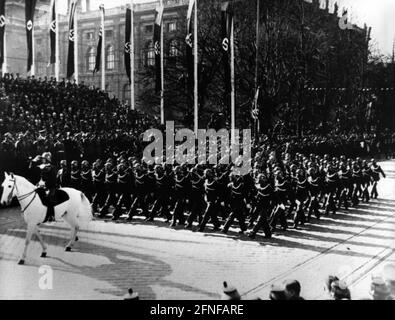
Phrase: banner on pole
(189, 46)
(128, 44)
(255, 108)
(70, 59)
(99, 45)
(227, 19)
(2, 31)
(157, 48)
(52, 33)
(30, 8)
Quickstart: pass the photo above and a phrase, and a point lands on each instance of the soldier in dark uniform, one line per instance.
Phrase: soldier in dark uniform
(302, 195)
(197, 198)
(281, 192)
(75, 176)
(162, 191)
(376, 171)
(357, 181)
(141, 191)
(63, 176)
(263, 206)
(366, 180)
(344, 176)
(331, 189)
(237, 204)
(98, 176)
(315, 188)
(180, 193)
(124, 190)
(86, 179)
(210, 187)
(48, 176)
(110, 183)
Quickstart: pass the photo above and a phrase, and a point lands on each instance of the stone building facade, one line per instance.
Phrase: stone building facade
(88, 32)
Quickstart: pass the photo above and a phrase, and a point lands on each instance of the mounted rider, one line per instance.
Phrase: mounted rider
(49, 182)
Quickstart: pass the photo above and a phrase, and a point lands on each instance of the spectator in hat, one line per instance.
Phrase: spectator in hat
(379, 290)
(131, 295)
(230, 292)
(292, 290)
(277, 292)
(389, 278)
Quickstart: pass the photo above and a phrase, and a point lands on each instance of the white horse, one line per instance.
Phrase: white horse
(74, 211)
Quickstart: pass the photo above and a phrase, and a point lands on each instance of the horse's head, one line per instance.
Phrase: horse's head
(8, 189)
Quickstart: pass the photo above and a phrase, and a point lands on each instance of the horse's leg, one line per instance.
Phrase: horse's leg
(73, 238)
(29, 233)
(40, 238)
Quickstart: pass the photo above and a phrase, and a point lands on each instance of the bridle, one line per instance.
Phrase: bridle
(23, 197)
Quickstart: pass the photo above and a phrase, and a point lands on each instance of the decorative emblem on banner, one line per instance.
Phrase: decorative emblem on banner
(188, 40)
(157, 48)
(2, 21)
(128, 47)
(101, 32)
(71, 35)
(53, 26)
(225, 44)
(29, 25)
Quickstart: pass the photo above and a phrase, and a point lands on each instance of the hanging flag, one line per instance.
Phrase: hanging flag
(157, 49)
(70, 59)
(255, 108)
(52, 33)
(189, 45)
(30, 8)
(99, 45)
(2, 31)
(227, 17)
(128, 45)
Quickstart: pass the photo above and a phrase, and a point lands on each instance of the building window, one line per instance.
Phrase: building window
(172, 26)
(89, 36)
(109, 34)
(91, 59)
(150, 54)
(148, 28)
(110, 57)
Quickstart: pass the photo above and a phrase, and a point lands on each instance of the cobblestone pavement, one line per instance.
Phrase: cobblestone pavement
(163, 263)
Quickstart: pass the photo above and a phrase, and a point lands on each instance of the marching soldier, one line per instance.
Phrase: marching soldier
(331, 189)
(237, 204)
(376, 172)
(98, 176)
(302, 188)
(110, 183)
(75, 176)
(197, 198)
(210, 187)
(63, 175)
(366, 180)
(86, 179)
(180, 192)
(263, 206)
(161, 204)
(314, 191)
(141, 191)
(281, 195)
(124, 190)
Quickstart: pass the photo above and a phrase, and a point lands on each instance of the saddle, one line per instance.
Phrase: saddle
(59, 197)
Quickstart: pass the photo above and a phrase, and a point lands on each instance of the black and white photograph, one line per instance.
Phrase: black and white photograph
(197, 150)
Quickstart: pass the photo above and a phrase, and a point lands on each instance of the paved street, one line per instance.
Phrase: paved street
(162, 263)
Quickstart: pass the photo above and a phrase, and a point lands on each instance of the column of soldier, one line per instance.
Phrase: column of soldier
(279, 189)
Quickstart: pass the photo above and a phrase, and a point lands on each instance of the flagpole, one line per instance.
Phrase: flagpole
(32, 70)
(4, 69)
(195, 73)
(57, 60)
(132, 101)
(76, 75)
(257, 125)
(232, 81)
(103, 50)
(162, 89)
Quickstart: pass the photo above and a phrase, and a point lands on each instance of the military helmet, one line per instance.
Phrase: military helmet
(63, 163)
(74, 163)
(85, 163)
(47, 156)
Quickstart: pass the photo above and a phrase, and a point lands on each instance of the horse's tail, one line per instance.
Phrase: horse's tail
(85, 212)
